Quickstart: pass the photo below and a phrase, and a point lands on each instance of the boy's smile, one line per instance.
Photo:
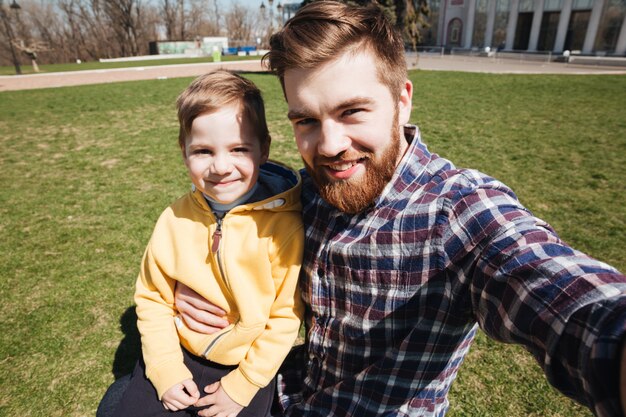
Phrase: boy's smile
(223, 154)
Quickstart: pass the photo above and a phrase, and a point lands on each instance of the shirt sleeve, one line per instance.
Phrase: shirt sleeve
(530, 288)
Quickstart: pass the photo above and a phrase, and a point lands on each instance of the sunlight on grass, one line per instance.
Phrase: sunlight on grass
(87, 170)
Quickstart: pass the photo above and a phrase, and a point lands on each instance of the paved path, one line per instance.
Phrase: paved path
(425, 62)
(63, 79)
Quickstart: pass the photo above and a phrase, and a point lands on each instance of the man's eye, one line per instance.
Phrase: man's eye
(350, 112)
(305, 122)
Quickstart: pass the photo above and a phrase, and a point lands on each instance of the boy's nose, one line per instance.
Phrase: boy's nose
(221, 165)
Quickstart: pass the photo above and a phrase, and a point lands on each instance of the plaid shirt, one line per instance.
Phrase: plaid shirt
(394, 296)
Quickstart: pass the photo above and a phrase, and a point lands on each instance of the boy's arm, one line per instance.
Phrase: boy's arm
(270, 349)
(160, 345)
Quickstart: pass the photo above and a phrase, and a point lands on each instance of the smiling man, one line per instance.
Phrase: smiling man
(349, 140)
(406, 255)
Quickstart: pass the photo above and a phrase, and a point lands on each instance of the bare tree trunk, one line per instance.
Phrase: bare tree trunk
(181, 9)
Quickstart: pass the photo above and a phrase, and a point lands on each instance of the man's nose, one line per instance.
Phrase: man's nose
(333, 139)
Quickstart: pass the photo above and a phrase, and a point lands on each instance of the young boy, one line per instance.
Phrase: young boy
(237, 239)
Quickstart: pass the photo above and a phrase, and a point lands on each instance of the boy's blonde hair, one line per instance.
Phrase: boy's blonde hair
(323, 30)
(210, 92)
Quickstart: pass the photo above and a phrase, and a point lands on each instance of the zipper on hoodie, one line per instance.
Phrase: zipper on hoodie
(215, 249)
(217, 236)
(214, 342)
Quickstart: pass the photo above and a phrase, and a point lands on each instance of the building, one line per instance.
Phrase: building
(589, 27)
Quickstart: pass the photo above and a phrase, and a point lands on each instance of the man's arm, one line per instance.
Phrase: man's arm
(198, 313)
(530, 288)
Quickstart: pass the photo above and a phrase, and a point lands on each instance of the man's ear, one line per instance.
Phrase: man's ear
(405, 103)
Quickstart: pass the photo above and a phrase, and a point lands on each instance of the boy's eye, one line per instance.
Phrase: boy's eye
(202, 152)
(240, 150)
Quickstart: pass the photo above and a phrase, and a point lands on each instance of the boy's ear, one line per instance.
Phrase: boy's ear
(265, 152)
(265, 155)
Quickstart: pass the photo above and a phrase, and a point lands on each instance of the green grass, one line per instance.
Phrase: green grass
(86, 171)
(96, 65)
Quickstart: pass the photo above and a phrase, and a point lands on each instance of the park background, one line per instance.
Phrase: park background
(86, 171)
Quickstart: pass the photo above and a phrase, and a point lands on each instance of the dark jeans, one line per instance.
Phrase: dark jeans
(136, 396)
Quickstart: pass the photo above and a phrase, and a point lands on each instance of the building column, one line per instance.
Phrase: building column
(620, 48)
(469, 25)
(491, 21)
(561, 31)
(441, 28)
(512, 25)
(592, 29)
(536, 26)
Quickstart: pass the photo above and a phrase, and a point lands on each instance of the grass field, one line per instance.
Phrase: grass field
(87, 170)
(96, 65)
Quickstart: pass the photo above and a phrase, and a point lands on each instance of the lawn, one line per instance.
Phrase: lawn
(87, 170)
(96, 65)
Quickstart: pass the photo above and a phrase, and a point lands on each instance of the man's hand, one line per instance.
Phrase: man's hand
(221, 404)
(199, 315)
(181, 396)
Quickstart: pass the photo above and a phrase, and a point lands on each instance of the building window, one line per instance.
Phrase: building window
(429, 34)
(522, 31)
(454, 32)
(500, 24)
(582, 4)
(547, 31)
(576, 30)
(480, 24)
(552, 5)
(526, 5)
(610, 26)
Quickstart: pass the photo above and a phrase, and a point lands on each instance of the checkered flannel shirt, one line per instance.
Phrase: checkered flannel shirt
(394, 295)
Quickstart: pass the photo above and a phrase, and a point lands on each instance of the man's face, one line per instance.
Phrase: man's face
(348, 127)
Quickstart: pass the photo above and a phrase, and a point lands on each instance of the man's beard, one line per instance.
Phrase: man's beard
(355, 195)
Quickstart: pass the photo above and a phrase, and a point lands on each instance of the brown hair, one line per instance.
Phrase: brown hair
(322, 30)
(211, 91)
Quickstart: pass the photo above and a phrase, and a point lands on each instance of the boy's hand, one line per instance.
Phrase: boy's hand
(181, 395)
(222, 404)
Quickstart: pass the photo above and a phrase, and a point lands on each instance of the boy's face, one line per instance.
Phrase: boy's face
(223, 154)
(348, 127)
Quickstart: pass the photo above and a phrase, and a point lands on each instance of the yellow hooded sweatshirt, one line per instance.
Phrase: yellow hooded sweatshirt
(250, 271)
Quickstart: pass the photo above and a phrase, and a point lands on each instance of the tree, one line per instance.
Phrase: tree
(408, 16)
(203, 18)
(124, 17)
(70, 30)
(417, 13)
(239, 24)
(174, 19)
